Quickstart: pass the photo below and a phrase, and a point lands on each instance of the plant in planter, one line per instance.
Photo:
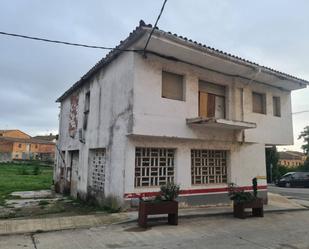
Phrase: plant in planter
(164, 203)
(243, 200)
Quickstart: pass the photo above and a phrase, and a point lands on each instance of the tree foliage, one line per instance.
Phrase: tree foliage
(305, 136)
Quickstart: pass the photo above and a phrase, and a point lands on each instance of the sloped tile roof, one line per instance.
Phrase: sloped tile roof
(26, 140)
(142, 29)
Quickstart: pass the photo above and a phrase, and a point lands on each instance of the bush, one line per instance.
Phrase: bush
(238, 195)
(170, 191)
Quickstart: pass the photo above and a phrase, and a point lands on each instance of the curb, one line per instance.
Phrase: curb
(55, 229)
(134, 220)
(211, 215)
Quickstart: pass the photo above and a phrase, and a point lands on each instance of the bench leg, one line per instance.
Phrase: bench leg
(258, 212)
(173, 219)
(239, 212)
(142, 221)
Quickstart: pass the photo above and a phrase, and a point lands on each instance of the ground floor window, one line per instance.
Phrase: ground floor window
(208, 166)
(154, 166)
(97, 169)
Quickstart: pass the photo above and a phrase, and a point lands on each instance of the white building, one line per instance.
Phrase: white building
(181, 112)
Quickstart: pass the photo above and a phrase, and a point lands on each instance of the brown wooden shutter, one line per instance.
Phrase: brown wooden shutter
(202, 104)
(211, 105)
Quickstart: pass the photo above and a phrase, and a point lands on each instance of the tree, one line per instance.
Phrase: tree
(272, 158)
(305, 136)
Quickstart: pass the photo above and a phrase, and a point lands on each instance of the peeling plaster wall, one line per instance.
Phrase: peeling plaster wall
(127, 110)
(245, 161)
(270, 129)
(109, 120)
(154, 115)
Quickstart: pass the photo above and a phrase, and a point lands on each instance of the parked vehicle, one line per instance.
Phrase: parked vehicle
(294, 179)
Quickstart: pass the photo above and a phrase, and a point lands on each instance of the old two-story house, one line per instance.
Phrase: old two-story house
(179, 111)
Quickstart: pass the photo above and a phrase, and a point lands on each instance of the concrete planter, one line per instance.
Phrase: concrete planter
(256, 205)
(161, 207)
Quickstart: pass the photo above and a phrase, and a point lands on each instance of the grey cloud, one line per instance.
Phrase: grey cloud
(33, 74)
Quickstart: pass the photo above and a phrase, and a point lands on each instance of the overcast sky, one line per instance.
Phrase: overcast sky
(33, 74)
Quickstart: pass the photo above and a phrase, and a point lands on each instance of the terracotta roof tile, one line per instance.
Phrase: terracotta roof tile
(142, 29)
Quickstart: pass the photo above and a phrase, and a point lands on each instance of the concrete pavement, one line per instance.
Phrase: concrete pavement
(21, 226)
(280, 230)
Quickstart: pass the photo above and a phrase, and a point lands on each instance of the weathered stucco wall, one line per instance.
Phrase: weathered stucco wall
(110, 119)
(127, 110)
(244, 162)
(154, 115)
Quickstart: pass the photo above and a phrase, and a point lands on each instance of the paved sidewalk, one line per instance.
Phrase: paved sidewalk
(20, 226)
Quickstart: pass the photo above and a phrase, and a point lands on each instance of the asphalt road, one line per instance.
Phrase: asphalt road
(291, 193)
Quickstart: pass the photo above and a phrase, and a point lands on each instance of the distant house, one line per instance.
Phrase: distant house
(50, 138)
(291, 159)
(178, 112)
(17, 145)
(14, 133)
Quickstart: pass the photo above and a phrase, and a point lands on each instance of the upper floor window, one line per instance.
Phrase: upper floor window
(276, 106)
(172, 86)
(211, 100)
(258, 102)
(86, 110)
(19, 145)
(87, 102)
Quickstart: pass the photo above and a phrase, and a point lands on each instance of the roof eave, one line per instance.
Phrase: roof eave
(126, 44)
(229, 57)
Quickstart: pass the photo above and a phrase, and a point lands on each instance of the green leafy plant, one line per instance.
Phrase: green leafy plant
(239, 195)
(170, 191)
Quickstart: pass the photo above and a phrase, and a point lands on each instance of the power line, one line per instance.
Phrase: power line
(65, 42)
(155, 25)
(85, 45)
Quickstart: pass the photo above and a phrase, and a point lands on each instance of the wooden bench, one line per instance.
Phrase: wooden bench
(256, 206)
(161, 207)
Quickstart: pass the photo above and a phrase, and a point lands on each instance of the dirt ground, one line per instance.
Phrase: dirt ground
(44, 203)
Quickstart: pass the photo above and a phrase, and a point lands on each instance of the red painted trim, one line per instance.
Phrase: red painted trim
(190, 191)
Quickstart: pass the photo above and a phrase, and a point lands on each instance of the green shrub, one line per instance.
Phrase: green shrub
(170, 191)
(238, 195)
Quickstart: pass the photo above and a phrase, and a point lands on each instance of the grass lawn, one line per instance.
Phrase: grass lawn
(17, 177)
